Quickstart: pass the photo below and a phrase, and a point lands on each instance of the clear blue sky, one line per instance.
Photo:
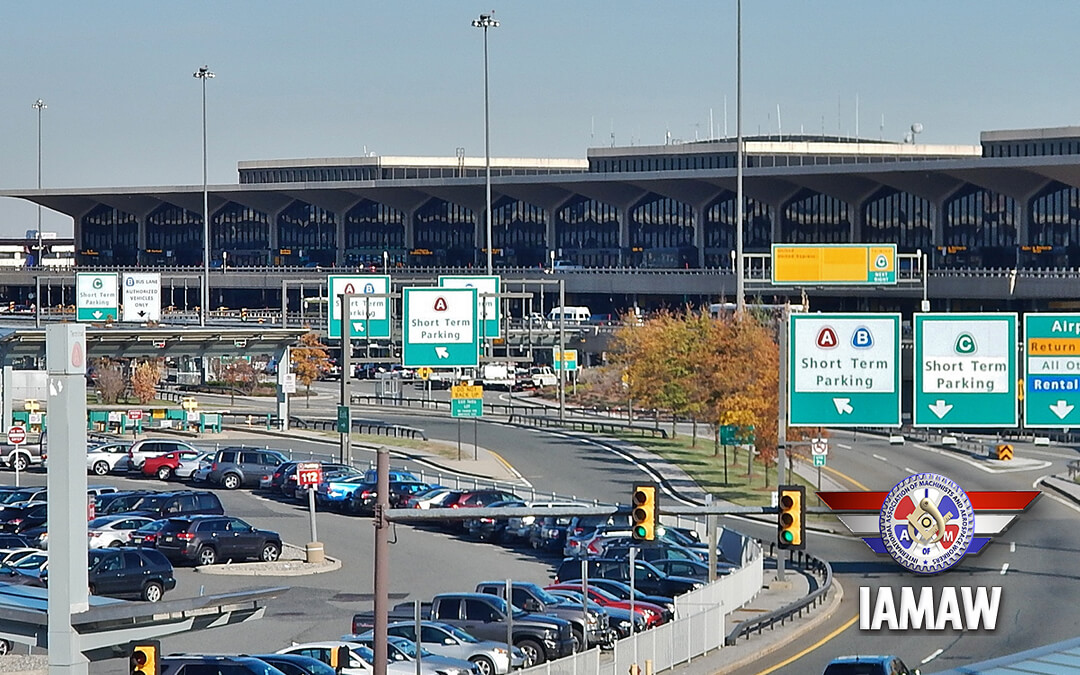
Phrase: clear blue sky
(331, 78)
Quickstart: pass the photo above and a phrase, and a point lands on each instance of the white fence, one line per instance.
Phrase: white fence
(697, 629)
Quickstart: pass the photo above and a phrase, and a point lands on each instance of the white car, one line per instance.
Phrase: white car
(360, 657)
(190, 463)
(152, 447)
(10, 556)
(114, 530)
(103, 459)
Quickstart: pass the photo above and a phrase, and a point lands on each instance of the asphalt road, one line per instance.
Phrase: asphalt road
(1039, 584)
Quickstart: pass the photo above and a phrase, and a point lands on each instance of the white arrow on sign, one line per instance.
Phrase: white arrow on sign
(442, 352)
(1061, 409)
(358, 326)
(97, 314)
(940, 408)
(843, 405)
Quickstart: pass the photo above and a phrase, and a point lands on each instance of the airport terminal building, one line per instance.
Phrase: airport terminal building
(1012, 202)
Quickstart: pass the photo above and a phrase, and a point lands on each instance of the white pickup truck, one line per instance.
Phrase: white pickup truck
(499, 376)
(543, 376)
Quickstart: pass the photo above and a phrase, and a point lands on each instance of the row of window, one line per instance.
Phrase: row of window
(1032, 148)
(360, 173)
(974, 217)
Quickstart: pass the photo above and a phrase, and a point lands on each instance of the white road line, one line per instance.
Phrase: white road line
(1012, 547)
(884, 459)
(933, 655)
(910, 470)
(845, 447)
(1004, 569)
(978, 465)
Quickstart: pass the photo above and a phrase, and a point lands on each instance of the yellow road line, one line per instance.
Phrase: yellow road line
(502, 461)
(812, 647)
(847, 478)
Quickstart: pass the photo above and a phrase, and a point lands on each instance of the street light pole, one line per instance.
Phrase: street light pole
(38, 105)
(205, 74)
(487, 21)
(740, 272)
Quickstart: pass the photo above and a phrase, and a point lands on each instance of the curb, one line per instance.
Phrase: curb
(1061, 491)
(819, 617)
(274, 569)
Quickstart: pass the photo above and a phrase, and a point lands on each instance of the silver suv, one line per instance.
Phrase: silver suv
(239, 466)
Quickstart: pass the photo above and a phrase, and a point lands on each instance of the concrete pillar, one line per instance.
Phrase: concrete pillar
(778, 214)
(857, 221)
(65, 354)
(549, 232)
(410, 229)
(339, 238)
(699, 210)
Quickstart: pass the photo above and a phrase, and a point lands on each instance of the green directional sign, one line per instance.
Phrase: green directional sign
(97, 296)
(819, 460)
(844, 370)
(343, 419)
(965, 370)
(487, 309)
(440, 328)
(368, 317)
(467, 407)
(1052, 370)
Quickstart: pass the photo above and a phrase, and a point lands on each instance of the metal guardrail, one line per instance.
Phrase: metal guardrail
(591, 425)
(770, 619)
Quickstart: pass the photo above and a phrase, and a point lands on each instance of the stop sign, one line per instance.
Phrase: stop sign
(16, 435)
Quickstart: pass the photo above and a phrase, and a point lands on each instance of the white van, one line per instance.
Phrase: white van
(570, 315)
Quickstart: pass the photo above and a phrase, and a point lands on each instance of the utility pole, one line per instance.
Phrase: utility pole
(382, 552)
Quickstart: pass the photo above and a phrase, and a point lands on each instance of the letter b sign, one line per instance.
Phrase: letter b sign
(861, 338)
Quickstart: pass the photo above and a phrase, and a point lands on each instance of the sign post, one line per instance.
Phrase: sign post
(965, 370)
(1051, 392)
(467, 400)
(16, 436)
(844, 370)
(97, 296)
(439, 328)
(308, 476)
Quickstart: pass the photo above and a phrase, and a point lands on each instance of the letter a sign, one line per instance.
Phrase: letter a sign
(440, 304)
(826, 338)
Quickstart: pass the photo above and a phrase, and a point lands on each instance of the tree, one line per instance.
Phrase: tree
(109, 381)
(145, 380)
(309, 361)
(240, 375)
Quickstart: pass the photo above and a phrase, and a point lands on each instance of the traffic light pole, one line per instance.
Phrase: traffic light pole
(781, 430)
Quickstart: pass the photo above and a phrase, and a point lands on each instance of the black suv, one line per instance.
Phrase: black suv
(647, 578)
(183, 664)
(204, 540)
(158, 505)
(141, 572)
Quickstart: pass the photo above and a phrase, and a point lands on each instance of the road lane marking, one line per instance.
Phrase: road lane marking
(1012, 547)
(812, 647)
(847, 478)
(1004, 569)
(884, 459)
(910, 470)
(933, 655)
(979, 465)
(511, 468)
(845, 447)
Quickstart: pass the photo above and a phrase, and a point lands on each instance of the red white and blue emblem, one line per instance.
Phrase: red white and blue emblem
(927, 523)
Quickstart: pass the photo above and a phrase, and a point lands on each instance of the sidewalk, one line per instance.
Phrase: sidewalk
(1063, 485)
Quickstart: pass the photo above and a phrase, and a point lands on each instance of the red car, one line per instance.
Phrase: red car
(165, 466)
(653, 614)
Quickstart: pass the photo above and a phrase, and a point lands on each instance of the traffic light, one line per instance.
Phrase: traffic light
(646, 512)
(145, 658)
(339, 657)
(791, 524)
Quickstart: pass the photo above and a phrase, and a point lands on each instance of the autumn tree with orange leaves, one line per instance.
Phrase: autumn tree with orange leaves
(713, 370)
(309, 361)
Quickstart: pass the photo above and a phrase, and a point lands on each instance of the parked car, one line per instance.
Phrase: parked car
(618, 619)
(21, 519)
(107, 458)
(111, 531)
(622, 591)
(19, 497)
(489, 657)
(652, 614)
(147, 534)
(522, 526)
(159, 505)
(184, 664)
(151, 447)
(490, 528)
(360, 657)
(294, 664)
(243, 467)
(10, 541)
(868, 665)
(363, 500)
(119, 502)
(204, 540)
(178, 464)
(400, 650)
(433, 498)
(141, 572)
(646, 577)
(372, 476)
(336, 493)
(330, 471)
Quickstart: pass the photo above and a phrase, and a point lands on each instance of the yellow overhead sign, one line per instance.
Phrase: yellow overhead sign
(459, 391)
(834, 264)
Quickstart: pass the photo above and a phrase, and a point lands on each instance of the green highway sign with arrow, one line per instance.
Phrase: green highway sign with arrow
(368, 317)
(844, 370)
(965, 370)
(97, 296)
(440, 328)
(1051, 370)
